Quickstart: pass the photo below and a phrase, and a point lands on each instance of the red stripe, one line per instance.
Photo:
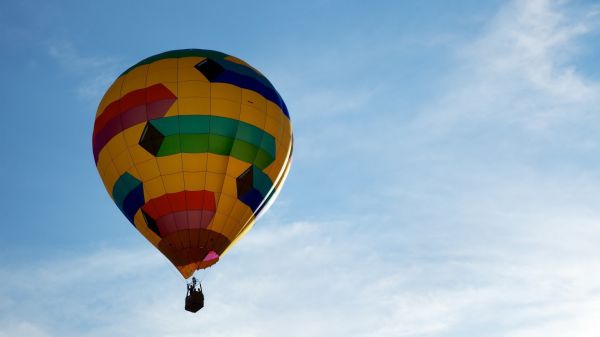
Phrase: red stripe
(131, 100)
(180, 201)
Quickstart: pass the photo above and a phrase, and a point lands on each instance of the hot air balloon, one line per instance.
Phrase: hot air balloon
(193, 146)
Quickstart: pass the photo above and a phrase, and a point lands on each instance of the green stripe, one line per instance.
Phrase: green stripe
(263, 159)
(125, 184)
(222, 145)
(215, 126)
(215, 144)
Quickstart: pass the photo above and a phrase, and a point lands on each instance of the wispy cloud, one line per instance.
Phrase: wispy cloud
(318, 279)
(521, 70)
(96, 73)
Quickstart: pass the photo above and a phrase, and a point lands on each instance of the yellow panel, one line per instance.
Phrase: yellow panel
(282, 151)
(154, 188)
(139, 154)
(169, 63)
(186, 70)
(229, 187)
(104, 158)
(214, 181)
(116, 145)
(248, 223)
(275, 111)
(224, 108)
(161, 75)
(280, 155)
(225, 204)
(254, 99)
(172, 86)
(194, 162)
(287, 127)
(232, 228)
(132, 135)
(169, 164)
(239, 236)
(195, 181)
(253, 116)
(173, 182)
(247, 215)
(238, 211)
(194, 89)
(109, 176)
(123, 161)
(272, 126)
(219, 221)
(194, 106)
(236, 167)
(141, 226)
(148, 170)
(133, 83)
(112, 94)
(286, 136)
(173, 110)
(139, 71)
(217, 163)
(226, 91)
(229, 225)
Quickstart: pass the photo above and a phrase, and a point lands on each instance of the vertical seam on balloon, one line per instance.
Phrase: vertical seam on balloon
(223, 228)
(215, 228)
(205, 171)
(185, 196)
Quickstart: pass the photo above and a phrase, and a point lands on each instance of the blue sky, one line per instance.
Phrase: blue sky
(445, 179)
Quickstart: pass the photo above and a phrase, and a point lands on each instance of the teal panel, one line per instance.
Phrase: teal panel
(224, 126)
(194, 124)
(167, 126)
(123, 186)
(261, 181)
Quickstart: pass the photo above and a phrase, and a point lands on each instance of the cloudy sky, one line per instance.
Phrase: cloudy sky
(446, 174)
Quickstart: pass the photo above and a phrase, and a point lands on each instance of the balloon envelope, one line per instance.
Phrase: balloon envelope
(192, 145)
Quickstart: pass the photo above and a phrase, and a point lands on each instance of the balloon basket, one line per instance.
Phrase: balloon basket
(194, 299)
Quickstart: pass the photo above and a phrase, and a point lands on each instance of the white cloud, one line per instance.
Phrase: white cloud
(521, 71)
(22, 329)
(317, 279)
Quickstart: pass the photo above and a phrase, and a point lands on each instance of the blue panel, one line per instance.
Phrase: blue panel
(133, 202)
(250, 83)
(252, 199)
